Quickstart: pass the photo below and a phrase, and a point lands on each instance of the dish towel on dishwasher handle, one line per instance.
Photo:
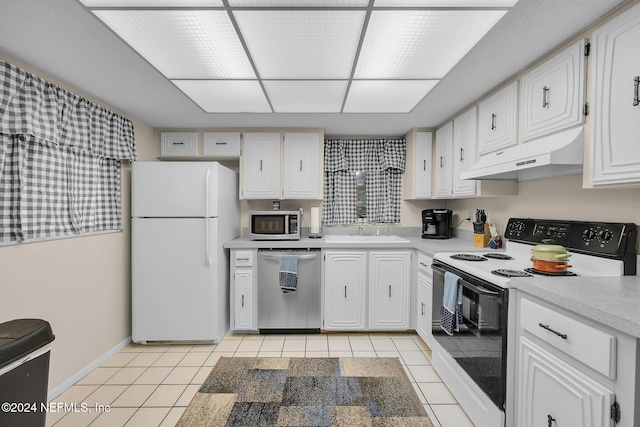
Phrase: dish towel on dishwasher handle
(451, 303)
(288, 275)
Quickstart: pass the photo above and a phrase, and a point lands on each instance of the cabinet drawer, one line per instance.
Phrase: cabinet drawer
(589, 345)
(243, 259)
(424, 263)
(221, 144)
(178, 144)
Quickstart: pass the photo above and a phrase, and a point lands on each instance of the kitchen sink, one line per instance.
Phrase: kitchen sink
(347, 238)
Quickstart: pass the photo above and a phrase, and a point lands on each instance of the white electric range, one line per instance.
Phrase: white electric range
(476, 360)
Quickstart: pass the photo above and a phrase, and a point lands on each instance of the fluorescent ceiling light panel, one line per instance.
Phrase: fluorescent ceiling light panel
(226, 96)
(152, 3)
(386, 96)
(306, 96)
(183, 44)
(444, 3)
(315, 44)
(298, 3)
(420, 44)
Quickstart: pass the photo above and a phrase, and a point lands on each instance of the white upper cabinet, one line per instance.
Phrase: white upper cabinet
(261, 165)
(498, 120)
(418, 168)
(615, 151)
(553, 94)
(444, 155)
(465, 138)
(301, 165)
(178, 144)
(223, 145)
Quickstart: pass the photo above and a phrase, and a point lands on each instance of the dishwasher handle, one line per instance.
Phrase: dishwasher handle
(277, 257)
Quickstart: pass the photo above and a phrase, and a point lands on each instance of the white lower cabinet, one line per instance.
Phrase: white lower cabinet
(345, 290)
(552, 392)
(389, 287)
(571, 371)
(367, 290)
(244, 289)
(424, 307)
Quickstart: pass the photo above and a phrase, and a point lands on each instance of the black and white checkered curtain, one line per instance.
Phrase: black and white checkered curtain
(382, 159)
(59, 160)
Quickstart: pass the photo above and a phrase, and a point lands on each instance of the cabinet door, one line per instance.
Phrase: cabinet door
(301, 162)
(221, 145)
(465, 137)
(178, 144)
(425, 308)
(261, 165)
(389, 275)
(243, 304)
(615, 152)
(444, 154)
(498, 120)
(345, 290)
(424, 147)
(551, 392)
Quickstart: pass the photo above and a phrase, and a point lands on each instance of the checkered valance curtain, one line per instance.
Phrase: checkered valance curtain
(59, 160)
(382, 159)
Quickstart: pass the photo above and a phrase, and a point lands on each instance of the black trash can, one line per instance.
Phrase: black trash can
(24, 371)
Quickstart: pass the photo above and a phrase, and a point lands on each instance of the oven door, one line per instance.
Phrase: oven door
(479, 347)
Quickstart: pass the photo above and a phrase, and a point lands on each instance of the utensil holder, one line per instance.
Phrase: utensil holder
(481, 235)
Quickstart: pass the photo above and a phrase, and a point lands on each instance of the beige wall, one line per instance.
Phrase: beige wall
(82, 286)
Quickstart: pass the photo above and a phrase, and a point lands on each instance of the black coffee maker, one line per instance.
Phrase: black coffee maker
(436, 223)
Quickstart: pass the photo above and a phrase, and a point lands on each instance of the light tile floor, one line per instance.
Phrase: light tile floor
(152, 385)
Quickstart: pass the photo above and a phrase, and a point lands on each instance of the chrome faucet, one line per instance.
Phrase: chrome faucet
(360, 230)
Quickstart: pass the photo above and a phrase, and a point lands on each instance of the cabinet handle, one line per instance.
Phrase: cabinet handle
(242, 259)
(300, 165)
(389, 291)
(545, 96)
(221, 143)
(422, 309)
(243, 300)
(424, 165)
(636, 97)
(543, 326)
(461, 154)
(493, 121)
(550, 421)
(345, 291)
(441, 159)
(260, 165)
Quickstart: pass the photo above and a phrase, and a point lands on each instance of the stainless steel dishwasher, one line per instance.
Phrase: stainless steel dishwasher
(298, 311)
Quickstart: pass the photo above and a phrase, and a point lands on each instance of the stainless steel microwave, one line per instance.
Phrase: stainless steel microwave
(275, 225)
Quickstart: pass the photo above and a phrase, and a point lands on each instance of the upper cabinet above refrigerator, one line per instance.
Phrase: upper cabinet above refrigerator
(553, 94)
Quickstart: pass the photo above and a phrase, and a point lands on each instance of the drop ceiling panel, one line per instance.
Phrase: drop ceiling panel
(184, 44)
(152, 3)
(298, 3)
(445, 3)
(226, 96)
(324, 96)
(317, 44)
(386, 96)
(420, 44)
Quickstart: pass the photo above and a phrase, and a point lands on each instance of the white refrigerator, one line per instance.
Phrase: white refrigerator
(181, 215)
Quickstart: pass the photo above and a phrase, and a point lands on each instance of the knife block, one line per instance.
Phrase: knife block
(481, 235)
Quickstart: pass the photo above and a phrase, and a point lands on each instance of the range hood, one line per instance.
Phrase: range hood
(554, 155)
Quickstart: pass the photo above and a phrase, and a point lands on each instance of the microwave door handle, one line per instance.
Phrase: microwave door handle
(479, 290)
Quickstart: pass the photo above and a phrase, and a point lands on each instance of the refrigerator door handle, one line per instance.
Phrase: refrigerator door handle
(207, 190)
(207, 255)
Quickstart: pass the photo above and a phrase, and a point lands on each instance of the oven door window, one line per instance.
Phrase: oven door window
(268, 224)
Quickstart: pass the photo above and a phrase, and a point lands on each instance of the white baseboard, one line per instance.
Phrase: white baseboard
(84, 371)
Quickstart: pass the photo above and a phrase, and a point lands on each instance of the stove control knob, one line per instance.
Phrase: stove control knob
(606, 235)
(589, 234)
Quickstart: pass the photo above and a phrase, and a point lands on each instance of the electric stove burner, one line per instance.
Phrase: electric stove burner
(511, 273)
(468, 257)
(549, 273)
(497, 255)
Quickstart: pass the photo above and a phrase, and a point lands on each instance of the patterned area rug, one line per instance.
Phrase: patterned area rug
(306, 392)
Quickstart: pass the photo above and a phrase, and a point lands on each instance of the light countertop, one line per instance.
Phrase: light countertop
(429, 246)
(612, 301)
